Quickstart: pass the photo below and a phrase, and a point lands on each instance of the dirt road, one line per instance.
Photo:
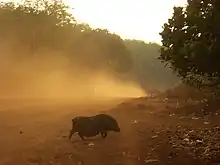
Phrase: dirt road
(37, 134)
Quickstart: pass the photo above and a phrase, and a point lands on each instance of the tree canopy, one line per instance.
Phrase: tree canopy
(191, 42)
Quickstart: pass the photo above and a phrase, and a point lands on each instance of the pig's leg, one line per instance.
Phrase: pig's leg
(71, 134)
(104, 134)
(81, 136)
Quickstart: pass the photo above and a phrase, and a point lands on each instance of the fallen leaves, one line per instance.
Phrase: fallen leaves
(202, 143)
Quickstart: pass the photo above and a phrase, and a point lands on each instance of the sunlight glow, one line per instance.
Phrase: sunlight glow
(133, 19)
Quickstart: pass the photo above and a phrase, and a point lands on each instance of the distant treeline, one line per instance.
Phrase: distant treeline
(148, 70)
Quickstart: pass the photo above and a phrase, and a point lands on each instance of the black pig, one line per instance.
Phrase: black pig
(91, 126)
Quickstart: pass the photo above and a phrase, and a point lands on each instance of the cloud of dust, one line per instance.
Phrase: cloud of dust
(50, 74)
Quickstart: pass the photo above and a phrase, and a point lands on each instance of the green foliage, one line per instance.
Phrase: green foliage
(191, 42)
(48, 24)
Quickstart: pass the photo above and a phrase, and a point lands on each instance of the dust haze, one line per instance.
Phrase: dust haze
(49, 74)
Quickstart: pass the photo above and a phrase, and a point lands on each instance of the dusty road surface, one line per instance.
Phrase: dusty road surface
(35, 132)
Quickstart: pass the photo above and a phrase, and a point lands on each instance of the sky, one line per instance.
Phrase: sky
(132, 19)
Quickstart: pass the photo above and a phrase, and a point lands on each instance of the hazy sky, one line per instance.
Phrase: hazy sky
(139, 19)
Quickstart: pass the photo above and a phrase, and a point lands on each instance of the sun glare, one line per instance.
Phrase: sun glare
(139, 19)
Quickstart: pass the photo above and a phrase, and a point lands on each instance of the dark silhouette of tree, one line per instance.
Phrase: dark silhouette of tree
(191, 43)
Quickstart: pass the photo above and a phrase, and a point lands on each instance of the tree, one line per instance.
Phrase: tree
(35, 23)
(191, 43)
